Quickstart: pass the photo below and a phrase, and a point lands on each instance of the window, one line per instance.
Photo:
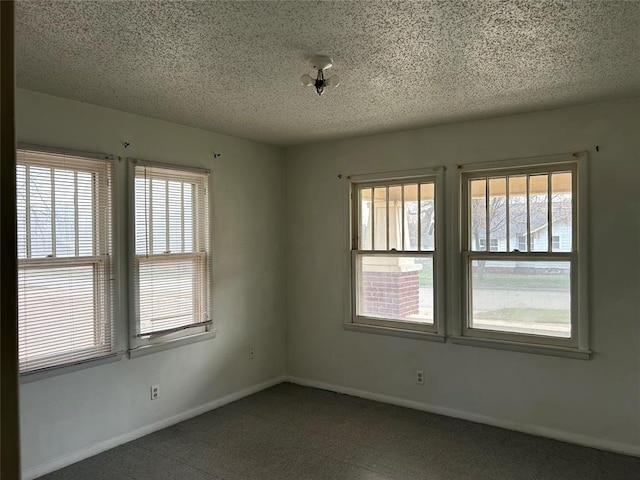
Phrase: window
(65, 312)
(493, 245)
(527, 287)
(395, 264)
(171, 266)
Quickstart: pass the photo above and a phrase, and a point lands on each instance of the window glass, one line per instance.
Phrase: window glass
(396, 288)
(521, 297)
(538, 213)
(498, 214)
(427, 217)
(562, 212)
(478, 210)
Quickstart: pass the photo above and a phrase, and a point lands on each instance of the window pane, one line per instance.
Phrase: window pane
(21, 206)
(169, 293)
(45, 330)
(518, 213)
(142, 213)
(538, 211)
(411, 217)
(159, 216)
(175, 216)
(561, 212)
(85, 214)
(395, 288)
(427, 216)
(40, 211)
(530, 297)
(380, 218)
(395, 217)
(478, 204)
(65, 213)
(366, 214)
(188, 212)
(498, 214)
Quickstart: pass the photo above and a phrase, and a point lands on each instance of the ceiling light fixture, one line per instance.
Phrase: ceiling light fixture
(320, 63)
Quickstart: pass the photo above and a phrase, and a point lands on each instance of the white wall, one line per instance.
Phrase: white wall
(64, 416)
(596, 401)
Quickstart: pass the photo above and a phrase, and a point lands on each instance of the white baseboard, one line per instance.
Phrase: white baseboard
(564, 436)
(96, 448)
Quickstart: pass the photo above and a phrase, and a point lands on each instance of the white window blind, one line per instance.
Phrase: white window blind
(171, 265)
(65, 312)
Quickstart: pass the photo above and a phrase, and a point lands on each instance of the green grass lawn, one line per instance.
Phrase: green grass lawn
(528, 315)
(514, 281)
(426, 274)
(542, 281)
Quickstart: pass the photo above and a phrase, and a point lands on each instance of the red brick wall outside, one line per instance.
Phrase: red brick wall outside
(390, 294)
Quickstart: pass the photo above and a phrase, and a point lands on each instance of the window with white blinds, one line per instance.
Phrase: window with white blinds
(65, 312)
(171, 267)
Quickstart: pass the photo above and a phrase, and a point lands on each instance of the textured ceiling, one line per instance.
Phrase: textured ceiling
(233, 67)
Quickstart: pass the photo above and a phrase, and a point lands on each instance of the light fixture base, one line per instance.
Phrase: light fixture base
(320, 62)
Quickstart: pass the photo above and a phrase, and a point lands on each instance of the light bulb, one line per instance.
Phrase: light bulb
(306, 80)
(333, 81)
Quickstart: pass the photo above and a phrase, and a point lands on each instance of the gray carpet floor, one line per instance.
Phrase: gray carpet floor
(298, 433)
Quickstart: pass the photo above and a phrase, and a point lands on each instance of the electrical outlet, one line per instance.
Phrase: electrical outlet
(420, 377)
(252, 353)
(155, 392)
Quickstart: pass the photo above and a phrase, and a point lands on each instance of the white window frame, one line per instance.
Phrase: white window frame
(104, 261)
(143, 344)
(435, 331)
(578, 345)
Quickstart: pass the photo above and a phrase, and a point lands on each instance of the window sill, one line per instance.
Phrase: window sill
(143, 350)
(394, 332)
(523, 347)
(49, 372)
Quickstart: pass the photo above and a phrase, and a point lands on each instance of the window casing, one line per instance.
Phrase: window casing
(171, 272)
(396, 260)
(532, 288)
(65, 278)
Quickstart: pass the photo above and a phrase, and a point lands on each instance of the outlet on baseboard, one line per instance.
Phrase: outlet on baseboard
(155, 392)
(420, 377)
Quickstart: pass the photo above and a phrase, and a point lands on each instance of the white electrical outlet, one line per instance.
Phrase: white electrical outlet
(155, 392)
(420, 377)
(252, 353)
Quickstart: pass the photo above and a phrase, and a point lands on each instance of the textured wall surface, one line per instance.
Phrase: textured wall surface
(594, 401)
(233, 67)
(66, 414)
